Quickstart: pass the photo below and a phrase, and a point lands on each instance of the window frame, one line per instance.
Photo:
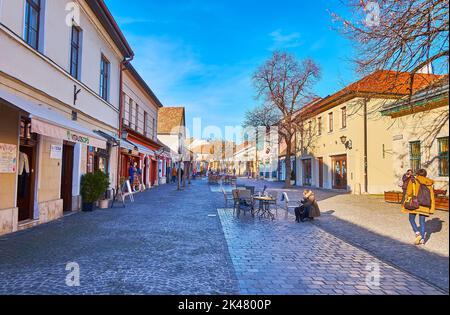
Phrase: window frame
(31, 5)
(443, 155)
(330, 122)
(319, 126)
(105, 73)
(76, 46)
(344, 117)
(414, 158)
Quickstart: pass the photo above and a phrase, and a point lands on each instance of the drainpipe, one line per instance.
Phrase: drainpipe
(366, 165)
(119, 160)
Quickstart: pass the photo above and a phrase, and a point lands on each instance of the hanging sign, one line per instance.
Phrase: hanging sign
(8, 158)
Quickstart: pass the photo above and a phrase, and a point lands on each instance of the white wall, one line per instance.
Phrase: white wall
(50, 73)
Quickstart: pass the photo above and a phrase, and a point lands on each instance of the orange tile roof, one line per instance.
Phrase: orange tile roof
(383, 83)
(170, 120)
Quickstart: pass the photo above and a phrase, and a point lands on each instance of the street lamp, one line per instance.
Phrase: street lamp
(348, 143)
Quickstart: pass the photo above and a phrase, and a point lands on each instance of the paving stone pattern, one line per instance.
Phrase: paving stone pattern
(281, 257)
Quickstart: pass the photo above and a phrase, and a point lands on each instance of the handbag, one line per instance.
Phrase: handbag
(412, 203)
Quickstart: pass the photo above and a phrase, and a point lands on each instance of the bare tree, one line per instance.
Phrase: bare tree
(284, 83)
(260, 120)
(403, 36)
(398, 35)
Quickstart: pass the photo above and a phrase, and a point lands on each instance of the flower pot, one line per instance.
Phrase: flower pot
(393, 197)
(103, 204)
(88, 206)
(442, 203)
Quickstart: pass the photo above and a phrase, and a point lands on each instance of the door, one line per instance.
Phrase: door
(146, 171)
(26, 182)
(340, 172)
(67, 176)
(320, 172)
(307, 172)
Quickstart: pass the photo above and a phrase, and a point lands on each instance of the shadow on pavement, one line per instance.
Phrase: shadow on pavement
(413, 259)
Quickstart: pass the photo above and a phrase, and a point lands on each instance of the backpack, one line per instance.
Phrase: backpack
(424, 196)
(412, 203)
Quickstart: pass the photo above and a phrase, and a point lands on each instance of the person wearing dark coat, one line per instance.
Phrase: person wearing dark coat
(405, 181)
(309, 208)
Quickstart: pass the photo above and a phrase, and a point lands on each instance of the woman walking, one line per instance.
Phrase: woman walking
(419, 201)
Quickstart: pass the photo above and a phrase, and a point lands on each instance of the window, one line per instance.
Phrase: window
(309, 128)
(443, 156)
(136, 121)
(319, 126)
(75, 52)
(146, 133)
(32, 22)
(415, 155)
(126, 110)
(104, 78)
(130, 118)
(330, 122)
(344, 117)
(154, 128)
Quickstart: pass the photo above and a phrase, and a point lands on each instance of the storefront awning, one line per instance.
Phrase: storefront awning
(131, 145)
(48, 122)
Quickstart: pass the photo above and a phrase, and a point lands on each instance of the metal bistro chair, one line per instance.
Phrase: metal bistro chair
(251, 188)
(236, 201)
(246, 197)
(226, 197)
(289, 204)
(274, 195)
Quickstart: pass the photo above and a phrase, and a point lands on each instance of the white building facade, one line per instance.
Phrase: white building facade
(60, 79)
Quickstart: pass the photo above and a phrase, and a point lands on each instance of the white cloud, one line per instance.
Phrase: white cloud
(281, 40)
(219, 94)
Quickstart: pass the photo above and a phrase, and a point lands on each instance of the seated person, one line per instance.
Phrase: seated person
(308, 209)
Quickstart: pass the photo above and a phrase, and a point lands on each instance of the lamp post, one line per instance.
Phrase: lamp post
(347, 143)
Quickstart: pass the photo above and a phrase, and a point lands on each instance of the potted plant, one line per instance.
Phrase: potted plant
(93, 186)
(103, 180)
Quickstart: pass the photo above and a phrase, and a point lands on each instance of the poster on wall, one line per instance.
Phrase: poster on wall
(8, 158)
(56, 152)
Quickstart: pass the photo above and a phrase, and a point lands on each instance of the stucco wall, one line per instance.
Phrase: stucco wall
(329, 144)
(133, 90)
(421, 127)
(49, 184)
(9, 133)
(37, 70)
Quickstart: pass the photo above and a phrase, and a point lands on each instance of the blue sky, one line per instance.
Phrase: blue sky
(201, 54)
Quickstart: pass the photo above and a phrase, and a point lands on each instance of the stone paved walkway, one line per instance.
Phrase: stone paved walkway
(281, 257)
(367, 222)
(172, 242)
(165, 243)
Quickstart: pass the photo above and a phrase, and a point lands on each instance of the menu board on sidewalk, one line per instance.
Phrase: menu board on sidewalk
(8, 158)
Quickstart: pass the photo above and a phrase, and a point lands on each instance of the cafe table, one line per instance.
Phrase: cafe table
(264, 206)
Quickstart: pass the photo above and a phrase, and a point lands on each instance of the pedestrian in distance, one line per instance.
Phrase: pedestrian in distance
(174, 174)
(419, 201)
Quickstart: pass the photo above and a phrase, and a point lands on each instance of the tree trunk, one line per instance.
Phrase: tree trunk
(287, 183)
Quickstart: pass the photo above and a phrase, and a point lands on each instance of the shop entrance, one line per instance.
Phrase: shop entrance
(67, 176)
(339, 172)
(26, 179)
(320, 172)
(153, 170)
(146, 171)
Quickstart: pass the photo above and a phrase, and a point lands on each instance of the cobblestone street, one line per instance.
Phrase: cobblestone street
(172, 242)
(165, 243)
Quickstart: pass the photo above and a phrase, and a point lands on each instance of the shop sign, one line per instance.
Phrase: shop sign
(56, 152)
(8, 158)
(77, 138)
